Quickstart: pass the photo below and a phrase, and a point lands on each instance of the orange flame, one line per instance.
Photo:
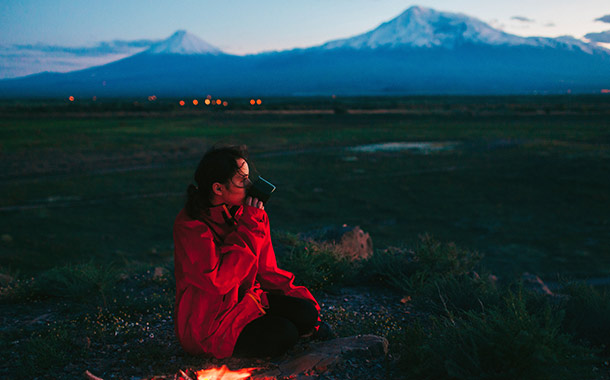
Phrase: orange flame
(224, 373)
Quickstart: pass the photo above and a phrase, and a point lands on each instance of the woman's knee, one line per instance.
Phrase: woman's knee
(266, 336)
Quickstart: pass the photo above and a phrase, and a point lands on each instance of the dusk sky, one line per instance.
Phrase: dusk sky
(242, 27)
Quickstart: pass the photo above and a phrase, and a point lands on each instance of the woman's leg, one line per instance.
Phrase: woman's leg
(302, 313)
(269, 335)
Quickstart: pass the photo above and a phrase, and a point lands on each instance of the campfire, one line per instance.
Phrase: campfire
(222, 373)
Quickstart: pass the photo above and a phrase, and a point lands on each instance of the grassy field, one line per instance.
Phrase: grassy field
(523, 180)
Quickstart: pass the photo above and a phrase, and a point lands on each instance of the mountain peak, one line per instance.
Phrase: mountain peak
(184, 43)
(425, 27)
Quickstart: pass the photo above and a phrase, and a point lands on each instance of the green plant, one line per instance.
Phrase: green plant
(78, 282)
(413, 270)
(317, 266)
(50, 350)
(454, 294)
(587, 314)
(510, 341)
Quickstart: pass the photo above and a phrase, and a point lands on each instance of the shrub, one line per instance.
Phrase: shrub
(505, 342)
(454, 294)
(77, 282)
(587, 315)
(411, 271)
(317, 266)
(49, 351)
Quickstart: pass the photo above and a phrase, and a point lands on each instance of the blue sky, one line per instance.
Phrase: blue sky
(241, 27)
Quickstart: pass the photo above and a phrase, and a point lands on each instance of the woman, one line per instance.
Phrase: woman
(231, 298)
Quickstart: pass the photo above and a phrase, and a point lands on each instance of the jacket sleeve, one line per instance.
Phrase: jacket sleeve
(220, 267)
(272, 278)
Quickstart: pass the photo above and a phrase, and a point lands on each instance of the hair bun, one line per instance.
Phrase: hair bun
(192, 190)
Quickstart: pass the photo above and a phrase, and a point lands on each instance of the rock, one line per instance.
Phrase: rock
(323, 356)
(159, 273)
(351, 242)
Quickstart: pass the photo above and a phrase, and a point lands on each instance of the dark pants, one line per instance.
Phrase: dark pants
(275, 332)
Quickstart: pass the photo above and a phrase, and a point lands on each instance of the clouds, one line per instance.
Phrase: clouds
(603, 37)
(524, 23)
(605, 18)
(522, 19)
(19, 60)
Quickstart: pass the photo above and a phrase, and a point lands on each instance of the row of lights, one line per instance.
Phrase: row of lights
(208, 101)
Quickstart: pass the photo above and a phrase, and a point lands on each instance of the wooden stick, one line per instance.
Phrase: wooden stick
(91, 376)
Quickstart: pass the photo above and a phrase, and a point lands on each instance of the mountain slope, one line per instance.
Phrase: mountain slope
(421, 51)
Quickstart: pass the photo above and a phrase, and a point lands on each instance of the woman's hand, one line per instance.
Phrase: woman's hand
(254, 202)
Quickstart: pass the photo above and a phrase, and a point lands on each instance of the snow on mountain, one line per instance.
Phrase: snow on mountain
(184, 43)
(427, 28)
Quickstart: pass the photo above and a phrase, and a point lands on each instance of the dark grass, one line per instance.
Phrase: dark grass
(119, 323)
(526, 185)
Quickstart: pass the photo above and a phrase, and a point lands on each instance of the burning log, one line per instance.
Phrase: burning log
(222, 373)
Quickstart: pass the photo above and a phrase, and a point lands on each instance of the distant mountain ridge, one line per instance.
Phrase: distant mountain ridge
(422, 51)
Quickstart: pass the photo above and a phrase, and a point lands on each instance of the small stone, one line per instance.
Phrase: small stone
(159, 273)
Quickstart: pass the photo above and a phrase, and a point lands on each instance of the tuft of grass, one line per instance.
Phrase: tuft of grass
(587, 315)
(81, 282)
(317, 266)
(510, 341)
(48, 351)
(454, 294)
(411, 271)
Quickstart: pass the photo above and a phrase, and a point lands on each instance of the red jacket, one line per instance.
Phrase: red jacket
(223, 272)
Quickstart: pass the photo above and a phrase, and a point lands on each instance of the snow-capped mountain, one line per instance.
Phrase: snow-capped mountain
(422, 51)
(425, 27)
(185, 43)
(420, 27)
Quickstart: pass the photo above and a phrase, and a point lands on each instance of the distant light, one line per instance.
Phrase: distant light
(218, 101)
(71, 98)
(209, 97)
(207, 102)
(182, 103)
(334, 96)
(606, 91)
(225, 103)
(259, 102)
(195, 102)
(94, 98)
(252, 101)
(152, 98)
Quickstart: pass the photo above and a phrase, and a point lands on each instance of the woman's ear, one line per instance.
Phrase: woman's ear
(218, 188)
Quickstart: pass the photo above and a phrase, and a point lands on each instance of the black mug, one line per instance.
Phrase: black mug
(261, 189)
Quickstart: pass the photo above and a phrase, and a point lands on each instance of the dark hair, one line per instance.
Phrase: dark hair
(219, 164)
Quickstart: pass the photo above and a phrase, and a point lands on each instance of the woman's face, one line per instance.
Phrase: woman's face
(235, 191)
